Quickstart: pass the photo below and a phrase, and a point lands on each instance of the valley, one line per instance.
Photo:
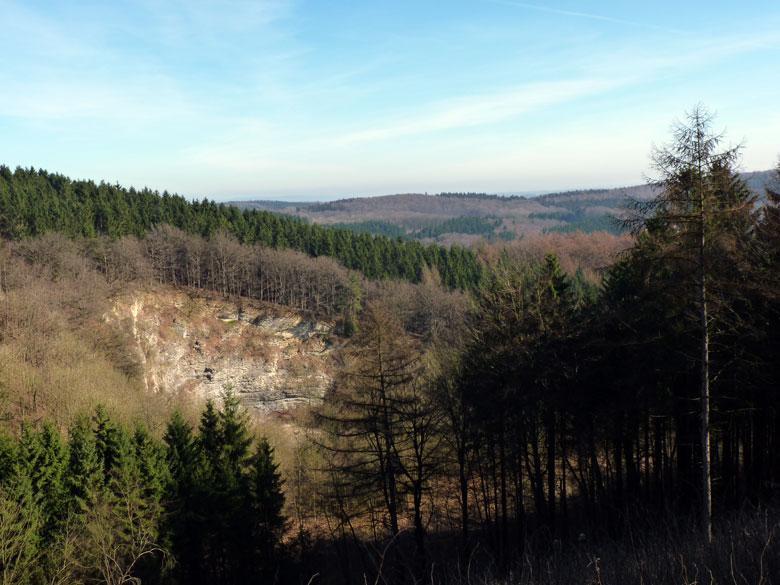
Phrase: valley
(251, 377)
(389, 293)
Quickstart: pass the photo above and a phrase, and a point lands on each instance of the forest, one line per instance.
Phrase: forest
(36, 202)
(530, 418)
(474, 225)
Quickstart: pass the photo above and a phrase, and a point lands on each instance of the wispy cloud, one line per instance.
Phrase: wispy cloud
(201, 22)
(480, 110)
(589, 16)
(250, 94)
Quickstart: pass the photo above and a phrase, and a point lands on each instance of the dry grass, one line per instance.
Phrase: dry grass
(746, 551)
(58, 357)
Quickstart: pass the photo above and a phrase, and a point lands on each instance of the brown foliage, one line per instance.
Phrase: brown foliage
(591, 253)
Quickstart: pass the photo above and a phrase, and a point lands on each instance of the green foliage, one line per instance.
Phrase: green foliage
(150, 457)
(20, 525)
(227, 504)
(84, 477)
(111, 443)
(42, 459)
(36, 202)
(185, 461)
(473, 225)
(116, 506)
(8, 452)
(266, 491)
(352, 308)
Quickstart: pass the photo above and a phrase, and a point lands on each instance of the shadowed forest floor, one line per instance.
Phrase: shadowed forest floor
(745, 551)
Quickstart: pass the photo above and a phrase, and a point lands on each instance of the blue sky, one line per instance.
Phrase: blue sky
(317, 99)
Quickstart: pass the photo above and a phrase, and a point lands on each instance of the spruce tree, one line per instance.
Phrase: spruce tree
(184, 515)
(20, 526)
(84, 476)
(43, 458)
(150, 456)
(111, 441)
(122, 526)
(267, 503)
(234, 433)
(8, 454)
(210, 435)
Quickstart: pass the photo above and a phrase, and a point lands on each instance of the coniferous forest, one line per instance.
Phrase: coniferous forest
(493, 417)
(36, 202)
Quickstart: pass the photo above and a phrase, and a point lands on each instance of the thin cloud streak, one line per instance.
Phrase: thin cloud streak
(275, 95)
(481, 110)
(589, 16)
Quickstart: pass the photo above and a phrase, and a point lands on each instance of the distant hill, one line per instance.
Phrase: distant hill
(270, 204)
(462, 217)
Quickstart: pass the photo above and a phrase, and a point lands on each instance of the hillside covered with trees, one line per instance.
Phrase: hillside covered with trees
(37, 202)
(644, 415)
(458, 217)
(607, 414)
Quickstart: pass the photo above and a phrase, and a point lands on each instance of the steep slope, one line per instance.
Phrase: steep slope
(197, 347)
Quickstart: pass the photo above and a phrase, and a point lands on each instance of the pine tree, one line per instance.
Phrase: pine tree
(267, 500)
(234, 433)
(84, 476)
(184, 516)
(210, 435)
(230, 489)
(8, 456)
(43, 459)
(361, 415)
(223, 502)
(20, 525)
(152, 466)
(121, 541)
(111, 441)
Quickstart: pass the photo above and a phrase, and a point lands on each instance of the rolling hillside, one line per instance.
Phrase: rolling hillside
(464, 217)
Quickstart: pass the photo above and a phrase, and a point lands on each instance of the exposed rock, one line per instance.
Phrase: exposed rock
(272, 358)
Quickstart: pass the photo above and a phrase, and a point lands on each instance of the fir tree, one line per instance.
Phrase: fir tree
(111, 441)
(84, 476)
(184, 517)
(267, 500)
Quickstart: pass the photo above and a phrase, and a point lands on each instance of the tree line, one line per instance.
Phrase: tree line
(36, 202)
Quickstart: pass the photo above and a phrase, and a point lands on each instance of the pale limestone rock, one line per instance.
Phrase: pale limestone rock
(274, 359)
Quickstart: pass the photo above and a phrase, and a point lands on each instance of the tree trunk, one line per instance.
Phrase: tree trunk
(550, 424)
(706, 472)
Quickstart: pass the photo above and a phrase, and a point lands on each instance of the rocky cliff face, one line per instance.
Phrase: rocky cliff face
(273, 359)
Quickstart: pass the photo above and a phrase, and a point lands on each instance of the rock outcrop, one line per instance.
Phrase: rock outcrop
(272, 358)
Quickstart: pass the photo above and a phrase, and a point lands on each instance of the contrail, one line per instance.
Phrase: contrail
(587, 15)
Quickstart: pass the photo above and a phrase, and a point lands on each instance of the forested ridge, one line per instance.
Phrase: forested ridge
(34, 202)
(543, 428)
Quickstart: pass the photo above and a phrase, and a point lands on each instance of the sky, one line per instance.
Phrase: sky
(294, 99)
